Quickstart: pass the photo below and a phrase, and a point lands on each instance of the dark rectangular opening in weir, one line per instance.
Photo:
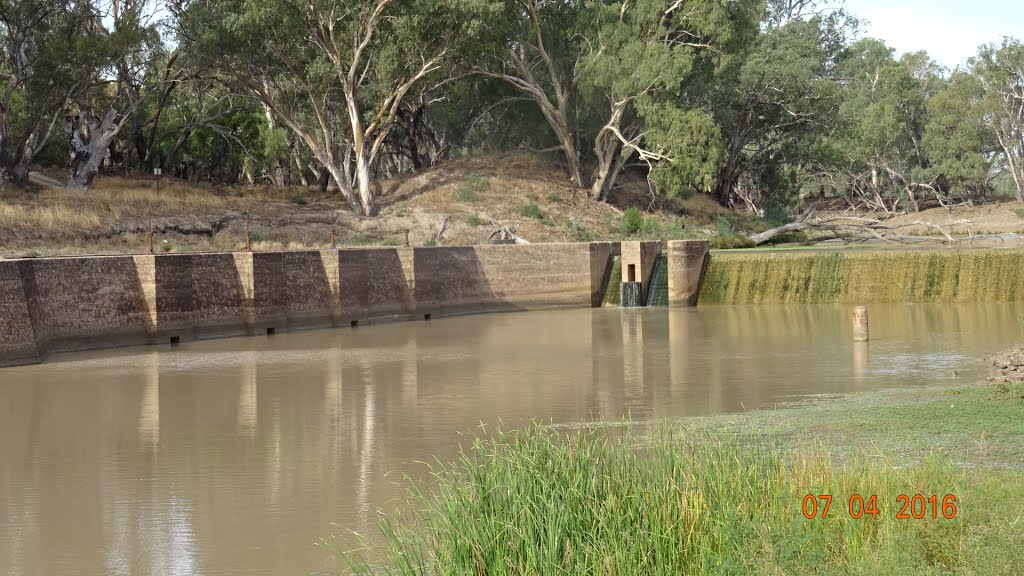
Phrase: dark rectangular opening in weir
(270, 331)
(632, 272)
(175, 339)
(355, 323)
(426, 316)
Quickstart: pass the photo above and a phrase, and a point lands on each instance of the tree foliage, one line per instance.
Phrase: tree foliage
(760, 103)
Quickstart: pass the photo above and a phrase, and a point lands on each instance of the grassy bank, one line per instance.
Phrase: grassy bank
(724, 495)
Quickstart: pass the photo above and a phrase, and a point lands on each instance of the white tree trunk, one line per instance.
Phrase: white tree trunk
(277, 171)
(607, 146)
(91, 148)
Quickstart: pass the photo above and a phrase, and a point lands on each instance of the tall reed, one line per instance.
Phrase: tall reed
(544, 502)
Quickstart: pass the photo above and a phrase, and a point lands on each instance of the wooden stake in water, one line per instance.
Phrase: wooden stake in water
(860, 324)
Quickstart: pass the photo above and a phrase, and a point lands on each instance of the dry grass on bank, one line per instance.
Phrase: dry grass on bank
(470, 197)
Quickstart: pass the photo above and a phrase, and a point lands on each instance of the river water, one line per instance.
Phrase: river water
(238, 456)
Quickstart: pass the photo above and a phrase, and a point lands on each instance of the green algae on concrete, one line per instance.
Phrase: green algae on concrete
(613, 287)
(965, 276)
(657, 294)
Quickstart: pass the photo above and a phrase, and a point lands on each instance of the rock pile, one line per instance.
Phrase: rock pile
(1008, 365)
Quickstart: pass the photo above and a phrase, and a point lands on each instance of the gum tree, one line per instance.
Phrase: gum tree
(334, 72)
(999, 70)
(651, 59)
(45, 60)
(618, 77)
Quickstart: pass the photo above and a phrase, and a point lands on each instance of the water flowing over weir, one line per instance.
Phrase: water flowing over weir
(613, 288)
(965, 276)
(658, 294)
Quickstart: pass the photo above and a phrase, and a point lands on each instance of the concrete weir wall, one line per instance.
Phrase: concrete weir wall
(63, 304)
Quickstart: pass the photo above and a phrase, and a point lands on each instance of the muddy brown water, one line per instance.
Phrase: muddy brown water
(237, 456)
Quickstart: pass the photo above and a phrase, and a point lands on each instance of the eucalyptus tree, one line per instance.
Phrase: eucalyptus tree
(962, 149)
(46, 58)
(650, 60)
(999, 70)
(335, 72)
(118, 47)
(617, 77)
(882, 123)
(538, 46)
(777, 104)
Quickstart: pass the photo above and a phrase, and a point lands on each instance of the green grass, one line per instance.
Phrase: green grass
(724, 495)
(299, 200)
(1019, 212)
(472, 188)
(474, 220)
(532, 210)
(979, 424)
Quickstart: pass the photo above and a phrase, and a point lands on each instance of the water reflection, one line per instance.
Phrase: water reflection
(237, 456)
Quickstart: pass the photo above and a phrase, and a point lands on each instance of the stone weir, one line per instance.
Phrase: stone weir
(63, 304)
(865, 277)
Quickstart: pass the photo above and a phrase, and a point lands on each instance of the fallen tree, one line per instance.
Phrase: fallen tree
(854, 229)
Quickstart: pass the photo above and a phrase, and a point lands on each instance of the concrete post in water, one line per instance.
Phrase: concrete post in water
(860, 324)
(685, 269)
(638, 260)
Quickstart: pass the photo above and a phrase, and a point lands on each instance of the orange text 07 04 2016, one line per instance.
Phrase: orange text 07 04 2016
(906, 507)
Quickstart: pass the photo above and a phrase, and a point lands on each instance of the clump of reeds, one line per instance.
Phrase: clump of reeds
(545, 502)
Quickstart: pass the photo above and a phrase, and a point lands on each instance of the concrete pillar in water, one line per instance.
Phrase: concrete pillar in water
(685, 269)
(638, 260)
(860, 324)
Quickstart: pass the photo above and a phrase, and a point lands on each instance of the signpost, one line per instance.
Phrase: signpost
(156, 172)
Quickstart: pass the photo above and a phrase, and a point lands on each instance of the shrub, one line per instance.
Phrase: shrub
(466, 194)
(731, 240)
(579, 231)
(299, 200)
(531, 210)
(723, 227)
(632, 220)
(473, 187)
(474, 220)
(1019, 212)
(777, 215)
(554, 198)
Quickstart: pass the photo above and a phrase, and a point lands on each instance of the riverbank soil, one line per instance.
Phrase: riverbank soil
(460, 202)
(919, 481)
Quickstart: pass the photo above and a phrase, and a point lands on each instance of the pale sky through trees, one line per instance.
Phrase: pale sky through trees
(950, 30)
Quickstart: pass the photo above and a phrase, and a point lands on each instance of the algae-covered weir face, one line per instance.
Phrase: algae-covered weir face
(236, 456)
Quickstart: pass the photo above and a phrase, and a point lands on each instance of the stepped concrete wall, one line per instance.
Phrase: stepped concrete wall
(62, 304)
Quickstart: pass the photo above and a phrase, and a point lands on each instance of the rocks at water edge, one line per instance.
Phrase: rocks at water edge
(1008, 365)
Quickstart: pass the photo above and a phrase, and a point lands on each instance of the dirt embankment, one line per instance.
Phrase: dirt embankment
(459, 202)
(985, 219)
(469, 198)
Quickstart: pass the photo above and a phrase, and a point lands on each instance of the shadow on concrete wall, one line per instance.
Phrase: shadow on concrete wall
(306, 297)
(375, 283)
(87, 303)
(198, 296)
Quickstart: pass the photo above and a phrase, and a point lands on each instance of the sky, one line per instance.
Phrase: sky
(950, 30)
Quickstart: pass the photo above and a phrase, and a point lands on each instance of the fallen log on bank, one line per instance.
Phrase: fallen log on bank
(853, 229)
